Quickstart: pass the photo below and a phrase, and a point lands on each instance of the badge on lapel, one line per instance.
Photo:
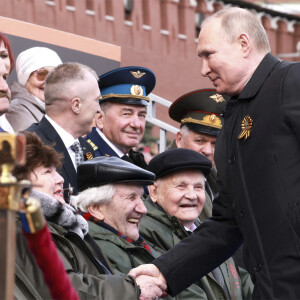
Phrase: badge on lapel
(246, 126)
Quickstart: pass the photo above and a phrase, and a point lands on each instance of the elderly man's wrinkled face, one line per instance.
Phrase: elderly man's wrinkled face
(181, 194)
(35, 84)
(124, 211)
(123, 125)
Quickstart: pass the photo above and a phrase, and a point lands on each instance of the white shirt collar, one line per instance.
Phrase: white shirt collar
(193, 228)
(111, 145)
(66, 137)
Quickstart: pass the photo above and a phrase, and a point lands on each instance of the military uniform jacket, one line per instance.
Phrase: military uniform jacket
(101, 148)
(85, 273)
(165, 231)
(259, 189)
(124, 256)
(49, 136)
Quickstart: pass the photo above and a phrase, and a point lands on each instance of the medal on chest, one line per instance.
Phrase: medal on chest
(246, 126)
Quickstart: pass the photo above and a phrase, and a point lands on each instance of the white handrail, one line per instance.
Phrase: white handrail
(164, 127)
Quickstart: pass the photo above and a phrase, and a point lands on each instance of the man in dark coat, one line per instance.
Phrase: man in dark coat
(71, 97)
(257, 157)
(121, 124)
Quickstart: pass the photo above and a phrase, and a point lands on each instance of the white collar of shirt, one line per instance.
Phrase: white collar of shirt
(193, 228)
(5, 125)
(112, 146)
(40, 102)
(66, 137)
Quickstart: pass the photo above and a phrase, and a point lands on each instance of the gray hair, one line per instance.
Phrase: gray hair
(235, 20)
(61, 81)
(93, 196)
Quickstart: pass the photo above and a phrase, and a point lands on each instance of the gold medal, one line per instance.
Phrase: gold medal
(246, 126)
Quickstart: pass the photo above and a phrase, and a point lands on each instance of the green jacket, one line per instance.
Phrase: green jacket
(80, 266)
(124, 256)
(165, 231)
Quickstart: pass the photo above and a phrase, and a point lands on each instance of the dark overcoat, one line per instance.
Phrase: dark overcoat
(259, 184)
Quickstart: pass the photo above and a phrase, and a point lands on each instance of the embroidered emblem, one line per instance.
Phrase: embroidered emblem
(217, 97)
(137, 74)
(136, 90)
(208, 120)
(88, 156)
(246, 126)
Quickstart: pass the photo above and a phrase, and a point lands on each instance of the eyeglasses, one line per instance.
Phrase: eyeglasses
(41, 74)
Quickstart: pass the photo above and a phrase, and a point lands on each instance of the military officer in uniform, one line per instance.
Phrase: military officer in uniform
(121, 123)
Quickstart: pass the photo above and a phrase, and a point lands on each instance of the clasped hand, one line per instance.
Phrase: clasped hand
(150, 280)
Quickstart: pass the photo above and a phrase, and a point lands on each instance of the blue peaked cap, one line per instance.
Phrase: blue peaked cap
(129, 85)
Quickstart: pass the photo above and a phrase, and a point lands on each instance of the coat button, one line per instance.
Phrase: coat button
(242, 213)
(232, 160)
(257, 267)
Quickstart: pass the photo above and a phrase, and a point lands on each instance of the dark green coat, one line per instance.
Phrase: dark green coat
(165, 231)
(85, 276)
(124, 256)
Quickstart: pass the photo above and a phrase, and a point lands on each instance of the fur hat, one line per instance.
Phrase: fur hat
(33, 59)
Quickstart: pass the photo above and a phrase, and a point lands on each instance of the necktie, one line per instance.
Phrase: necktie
(78, 153)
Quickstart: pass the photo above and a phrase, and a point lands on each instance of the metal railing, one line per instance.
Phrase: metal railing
(163, 126)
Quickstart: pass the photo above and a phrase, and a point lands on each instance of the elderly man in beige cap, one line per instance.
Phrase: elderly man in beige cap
(28, 100)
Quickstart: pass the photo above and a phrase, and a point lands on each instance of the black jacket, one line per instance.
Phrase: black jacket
(49, 136)
(259, 184)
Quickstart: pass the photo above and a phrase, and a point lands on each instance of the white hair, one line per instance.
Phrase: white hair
(93, 196)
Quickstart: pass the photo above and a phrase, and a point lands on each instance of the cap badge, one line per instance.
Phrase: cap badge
(136, 90)
(217, 97)
(246, 126)
(137, 74)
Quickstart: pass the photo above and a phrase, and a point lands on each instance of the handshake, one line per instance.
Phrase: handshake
(152, 283)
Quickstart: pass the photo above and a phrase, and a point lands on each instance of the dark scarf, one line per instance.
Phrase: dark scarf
(63, 215)
(140, 242)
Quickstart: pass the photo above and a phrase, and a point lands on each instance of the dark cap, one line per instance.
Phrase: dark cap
(103, 170)
(178, 159)
(200, 110)
(129, 85)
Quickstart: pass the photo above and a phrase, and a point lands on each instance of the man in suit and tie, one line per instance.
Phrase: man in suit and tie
(71, 98)
(4, 90)
(121, 123)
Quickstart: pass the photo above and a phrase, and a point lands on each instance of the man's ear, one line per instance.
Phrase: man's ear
(99, 119)
(153, 192)
(76, 105)
(178, 140)
(244, 43)
(96, 211)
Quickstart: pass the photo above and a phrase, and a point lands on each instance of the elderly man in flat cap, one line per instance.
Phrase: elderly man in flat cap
(121, 124)
(174, 204)
(200, 114)
(111, 201)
